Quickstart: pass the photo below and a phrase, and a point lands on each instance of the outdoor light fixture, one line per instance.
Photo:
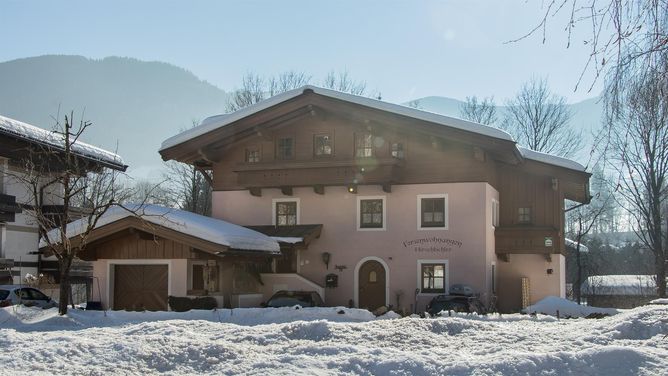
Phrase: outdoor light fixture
(325, 258)
(352, 188)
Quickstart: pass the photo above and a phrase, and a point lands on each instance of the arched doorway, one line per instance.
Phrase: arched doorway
(372, 285)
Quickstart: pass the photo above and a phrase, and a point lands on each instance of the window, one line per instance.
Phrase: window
(253, 155)
(285, 148)
(524, 215)
(433, 211)
(371, 213)
(373, 278)
(364, 145)
(204, 276)
(397, 150)
(495, 213)
(285, 213)
(432, 278)
(322, 145)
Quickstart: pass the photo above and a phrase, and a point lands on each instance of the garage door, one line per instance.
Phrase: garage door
(140, 287)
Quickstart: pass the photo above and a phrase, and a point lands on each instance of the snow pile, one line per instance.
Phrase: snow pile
(202, 227)
(207, 342)
(31, 133)
(640, 285)
(659, 301)
(566, 308)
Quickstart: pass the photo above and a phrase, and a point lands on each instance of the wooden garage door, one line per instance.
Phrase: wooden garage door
(140, 287)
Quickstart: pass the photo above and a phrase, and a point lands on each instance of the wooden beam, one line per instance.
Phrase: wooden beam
(257, 192)
(319, 189)
(387, 188)
(286, 190)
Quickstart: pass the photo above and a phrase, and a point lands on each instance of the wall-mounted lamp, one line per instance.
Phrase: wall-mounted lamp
(352, 188)
(325, 258)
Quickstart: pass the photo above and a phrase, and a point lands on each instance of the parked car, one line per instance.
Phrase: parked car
(285, 298)
(461, 298)
(26, 295)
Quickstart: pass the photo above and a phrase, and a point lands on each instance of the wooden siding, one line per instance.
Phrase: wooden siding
(133, 246)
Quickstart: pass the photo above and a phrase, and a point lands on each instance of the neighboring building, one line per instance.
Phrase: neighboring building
(18, 231)
(406, 202)
(619, 291)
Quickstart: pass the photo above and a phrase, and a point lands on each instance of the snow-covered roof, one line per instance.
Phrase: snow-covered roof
(550, 159)
(218, 121)
(573, 245)
(30, 133)
(288, 239)
(206, 228)
(619, 285)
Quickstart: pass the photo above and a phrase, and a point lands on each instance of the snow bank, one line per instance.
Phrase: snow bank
(207, 342)
(659, 301)
(640, 285)
(202, 227)
(566, 308)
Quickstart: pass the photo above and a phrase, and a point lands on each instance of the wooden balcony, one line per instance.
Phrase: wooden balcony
(528, 240)
(318, 172)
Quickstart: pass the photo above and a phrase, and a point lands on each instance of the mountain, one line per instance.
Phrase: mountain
(133, 105)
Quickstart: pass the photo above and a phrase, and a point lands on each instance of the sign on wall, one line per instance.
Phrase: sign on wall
(432, 244)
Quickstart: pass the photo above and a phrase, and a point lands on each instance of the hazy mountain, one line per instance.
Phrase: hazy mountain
(134, 105)
(587, 116)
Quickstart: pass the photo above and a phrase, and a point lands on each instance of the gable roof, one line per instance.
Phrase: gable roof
(209, 229)
(34, 135)
(216, 122)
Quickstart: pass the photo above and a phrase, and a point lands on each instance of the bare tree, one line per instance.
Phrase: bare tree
(342, 82)
(623, 34)
(189, 188)
(539, 120)
(252, 91)
(58, 176)
(143, 190)
(640, 147)
(287, 81)
(479, 111)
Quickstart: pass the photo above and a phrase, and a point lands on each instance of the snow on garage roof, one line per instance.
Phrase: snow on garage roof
(30, 133)
(206, 228)
(218, 121)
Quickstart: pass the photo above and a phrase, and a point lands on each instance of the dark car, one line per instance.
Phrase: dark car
(285, 298)
(460, 299)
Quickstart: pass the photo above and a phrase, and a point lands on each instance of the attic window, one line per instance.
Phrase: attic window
(322, 145)
(285, 148)
(253, 155)
(397, 150)
(363, 145)
(524, 215)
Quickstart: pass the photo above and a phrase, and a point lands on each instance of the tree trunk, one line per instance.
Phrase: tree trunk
(65, 286)
(661, 274)
(578, 280)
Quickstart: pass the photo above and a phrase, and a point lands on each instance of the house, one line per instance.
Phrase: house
(18, 231)
(407, 202)
(143, 254)
(619, 291)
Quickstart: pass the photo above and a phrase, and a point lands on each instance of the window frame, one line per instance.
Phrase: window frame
(446, 277)
(205, 266)
(278, 154)
(359, 213)
(495, 212)
(358, 136)
(315, 145)
(248, 151)
(403, 149)
(446, 221)
(529, 214)
(274, 203)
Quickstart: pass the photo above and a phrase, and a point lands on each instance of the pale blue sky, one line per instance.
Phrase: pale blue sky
(405, 50)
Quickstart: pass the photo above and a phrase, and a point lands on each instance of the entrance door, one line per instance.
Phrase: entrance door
(140, 287)
(371, 285)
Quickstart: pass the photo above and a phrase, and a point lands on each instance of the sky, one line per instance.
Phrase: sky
(404, 50)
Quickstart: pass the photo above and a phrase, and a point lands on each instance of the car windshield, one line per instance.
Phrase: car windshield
(289, 301)
(4, 294)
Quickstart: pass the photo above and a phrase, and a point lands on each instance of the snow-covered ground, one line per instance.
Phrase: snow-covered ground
(330, 341)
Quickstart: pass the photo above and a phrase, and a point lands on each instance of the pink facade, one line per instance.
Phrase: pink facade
(465, 247)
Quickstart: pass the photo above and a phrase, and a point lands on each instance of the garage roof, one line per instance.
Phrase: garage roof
(205, 228)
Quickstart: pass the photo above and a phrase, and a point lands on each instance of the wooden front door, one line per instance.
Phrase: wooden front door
(140, 287)
(371, 285)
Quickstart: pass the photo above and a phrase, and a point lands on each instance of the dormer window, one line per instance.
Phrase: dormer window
(322, 145)
(253, 155)
(285, 148)
(363, 145)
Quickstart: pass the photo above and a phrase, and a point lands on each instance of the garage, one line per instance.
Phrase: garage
(140, 287)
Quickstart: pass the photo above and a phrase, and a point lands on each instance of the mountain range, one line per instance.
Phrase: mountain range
(134, 105)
